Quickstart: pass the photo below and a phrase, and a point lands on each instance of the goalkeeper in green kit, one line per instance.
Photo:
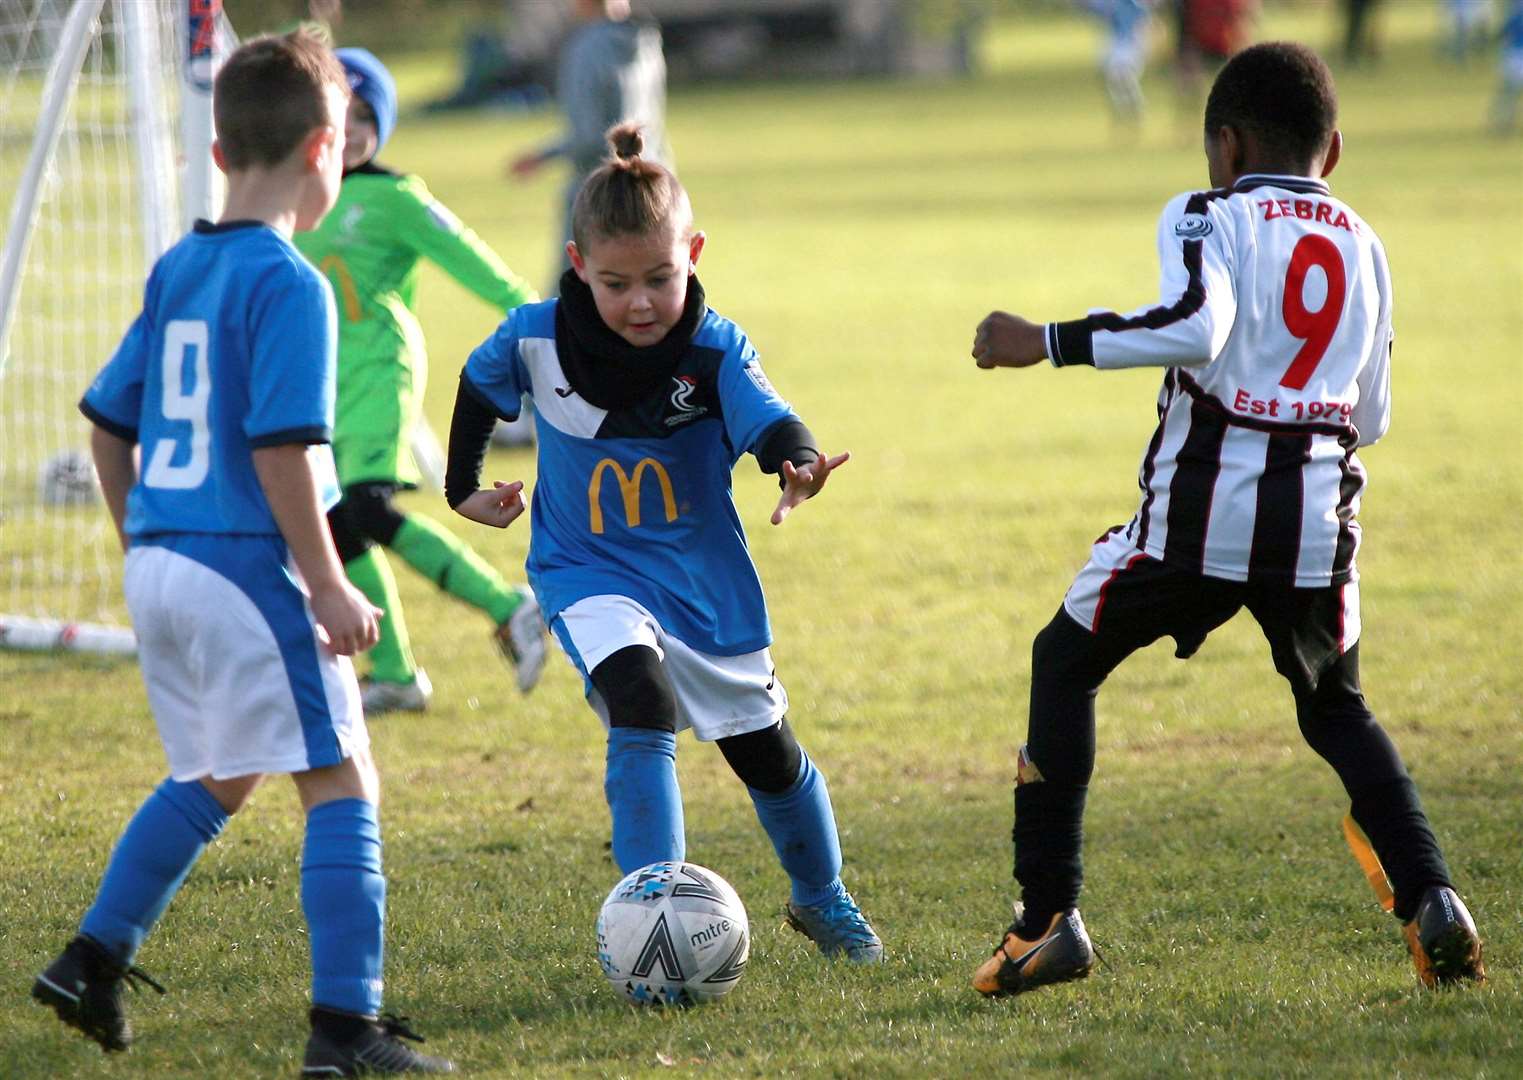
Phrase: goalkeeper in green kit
(369, 246)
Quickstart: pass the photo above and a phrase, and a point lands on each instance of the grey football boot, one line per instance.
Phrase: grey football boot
(521, 640)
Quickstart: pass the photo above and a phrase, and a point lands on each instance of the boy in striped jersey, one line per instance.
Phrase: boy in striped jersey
(1274, 332)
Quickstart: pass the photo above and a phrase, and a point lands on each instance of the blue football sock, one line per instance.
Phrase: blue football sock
(343, 895)
(643, 798)
(802, 827)
(158, 848)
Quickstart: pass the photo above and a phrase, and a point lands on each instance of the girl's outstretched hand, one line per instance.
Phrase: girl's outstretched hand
(800, 484)
(499, 507)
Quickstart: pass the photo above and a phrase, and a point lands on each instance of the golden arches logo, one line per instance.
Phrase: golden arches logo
(629, 490)
(351, 296)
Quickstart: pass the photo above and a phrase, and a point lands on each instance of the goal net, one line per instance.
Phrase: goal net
(104, 156)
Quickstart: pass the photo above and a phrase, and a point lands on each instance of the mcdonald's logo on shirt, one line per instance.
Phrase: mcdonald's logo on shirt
(629, 489)
(337, 271)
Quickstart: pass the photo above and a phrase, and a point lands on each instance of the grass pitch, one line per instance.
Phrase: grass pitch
(858, 232)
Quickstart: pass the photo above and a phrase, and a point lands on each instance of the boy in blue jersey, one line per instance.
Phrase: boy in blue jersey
(646, 399)
(226, 383)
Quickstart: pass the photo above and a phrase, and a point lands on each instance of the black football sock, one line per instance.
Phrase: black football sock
(1048, 836)
(1068, 664)
(1339, 725)
(1391, 815)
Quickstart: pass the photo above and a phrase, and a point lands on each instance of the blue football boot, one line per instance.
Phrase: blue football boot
(838, 927)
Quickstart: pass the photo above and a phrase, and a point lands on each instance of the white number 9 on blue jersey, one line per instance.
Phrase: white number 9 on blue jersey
(179, 335)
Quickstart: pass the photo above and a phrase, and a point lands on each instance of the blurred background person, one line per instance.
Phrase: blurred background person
(1125, 54)
(1360, 41)
(1504, 110)
(611, 69)
(1209, 33)
(1469, 22)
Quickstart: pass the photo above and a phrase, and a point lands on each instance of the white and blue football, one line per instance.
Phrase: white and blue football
(673, 933)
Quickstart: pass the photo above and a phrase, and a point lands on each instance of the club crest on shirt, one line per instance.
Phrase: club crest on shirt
(1193, 227)
(686, 410)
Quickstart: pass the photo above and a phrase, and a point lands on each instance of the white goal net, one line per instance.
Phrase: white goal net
(92, 169)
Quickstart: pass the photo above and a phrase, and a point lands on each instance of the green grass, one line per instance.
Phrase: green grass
(858, 232)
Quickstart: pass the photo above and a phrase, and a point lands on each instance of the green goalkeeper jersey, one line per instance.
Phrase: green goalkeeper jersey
(369, 247)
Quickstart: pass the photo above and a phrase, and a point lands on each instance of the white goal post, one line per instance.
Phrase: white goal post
(105, 153)
(105, 136)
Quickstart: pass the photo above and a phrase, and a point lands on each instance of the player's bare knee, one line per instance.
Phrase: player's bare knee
(231, 794)
(353, 778)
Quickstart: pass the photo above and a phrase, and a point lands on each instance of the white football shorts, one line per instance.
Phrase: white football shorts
(717, 696)
(237, 679)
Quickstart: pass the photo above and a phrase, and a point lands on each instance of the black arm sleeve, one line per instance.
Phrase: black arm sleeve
(470, 432)
(787, 440)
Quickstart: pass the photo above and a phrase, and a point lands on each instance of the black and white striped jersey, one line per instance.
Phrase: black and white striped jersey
(1275, 329)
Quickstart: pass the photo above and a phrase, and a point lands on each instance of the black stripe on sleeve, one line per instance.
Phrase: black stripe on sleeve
(1189, 302)
(1072, 343)
(299, 436)
(105, 423)
(1197, 465)
(1277, 517)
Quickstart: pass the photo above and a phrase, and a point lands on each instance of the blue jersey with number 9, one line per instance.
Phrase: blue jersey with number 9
(234, 351)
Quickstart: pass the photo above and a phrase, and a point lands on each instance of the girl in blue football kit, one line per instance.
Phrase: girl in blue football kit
(645, 401)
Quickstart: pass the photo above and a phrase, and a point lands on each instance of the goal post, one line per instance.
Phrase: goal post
(105, 151)
(105, 155)
(57, 92)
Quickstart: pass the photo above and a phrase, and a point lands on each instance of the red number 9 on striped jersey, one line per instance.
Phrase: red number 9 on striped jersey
(1314, 328)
